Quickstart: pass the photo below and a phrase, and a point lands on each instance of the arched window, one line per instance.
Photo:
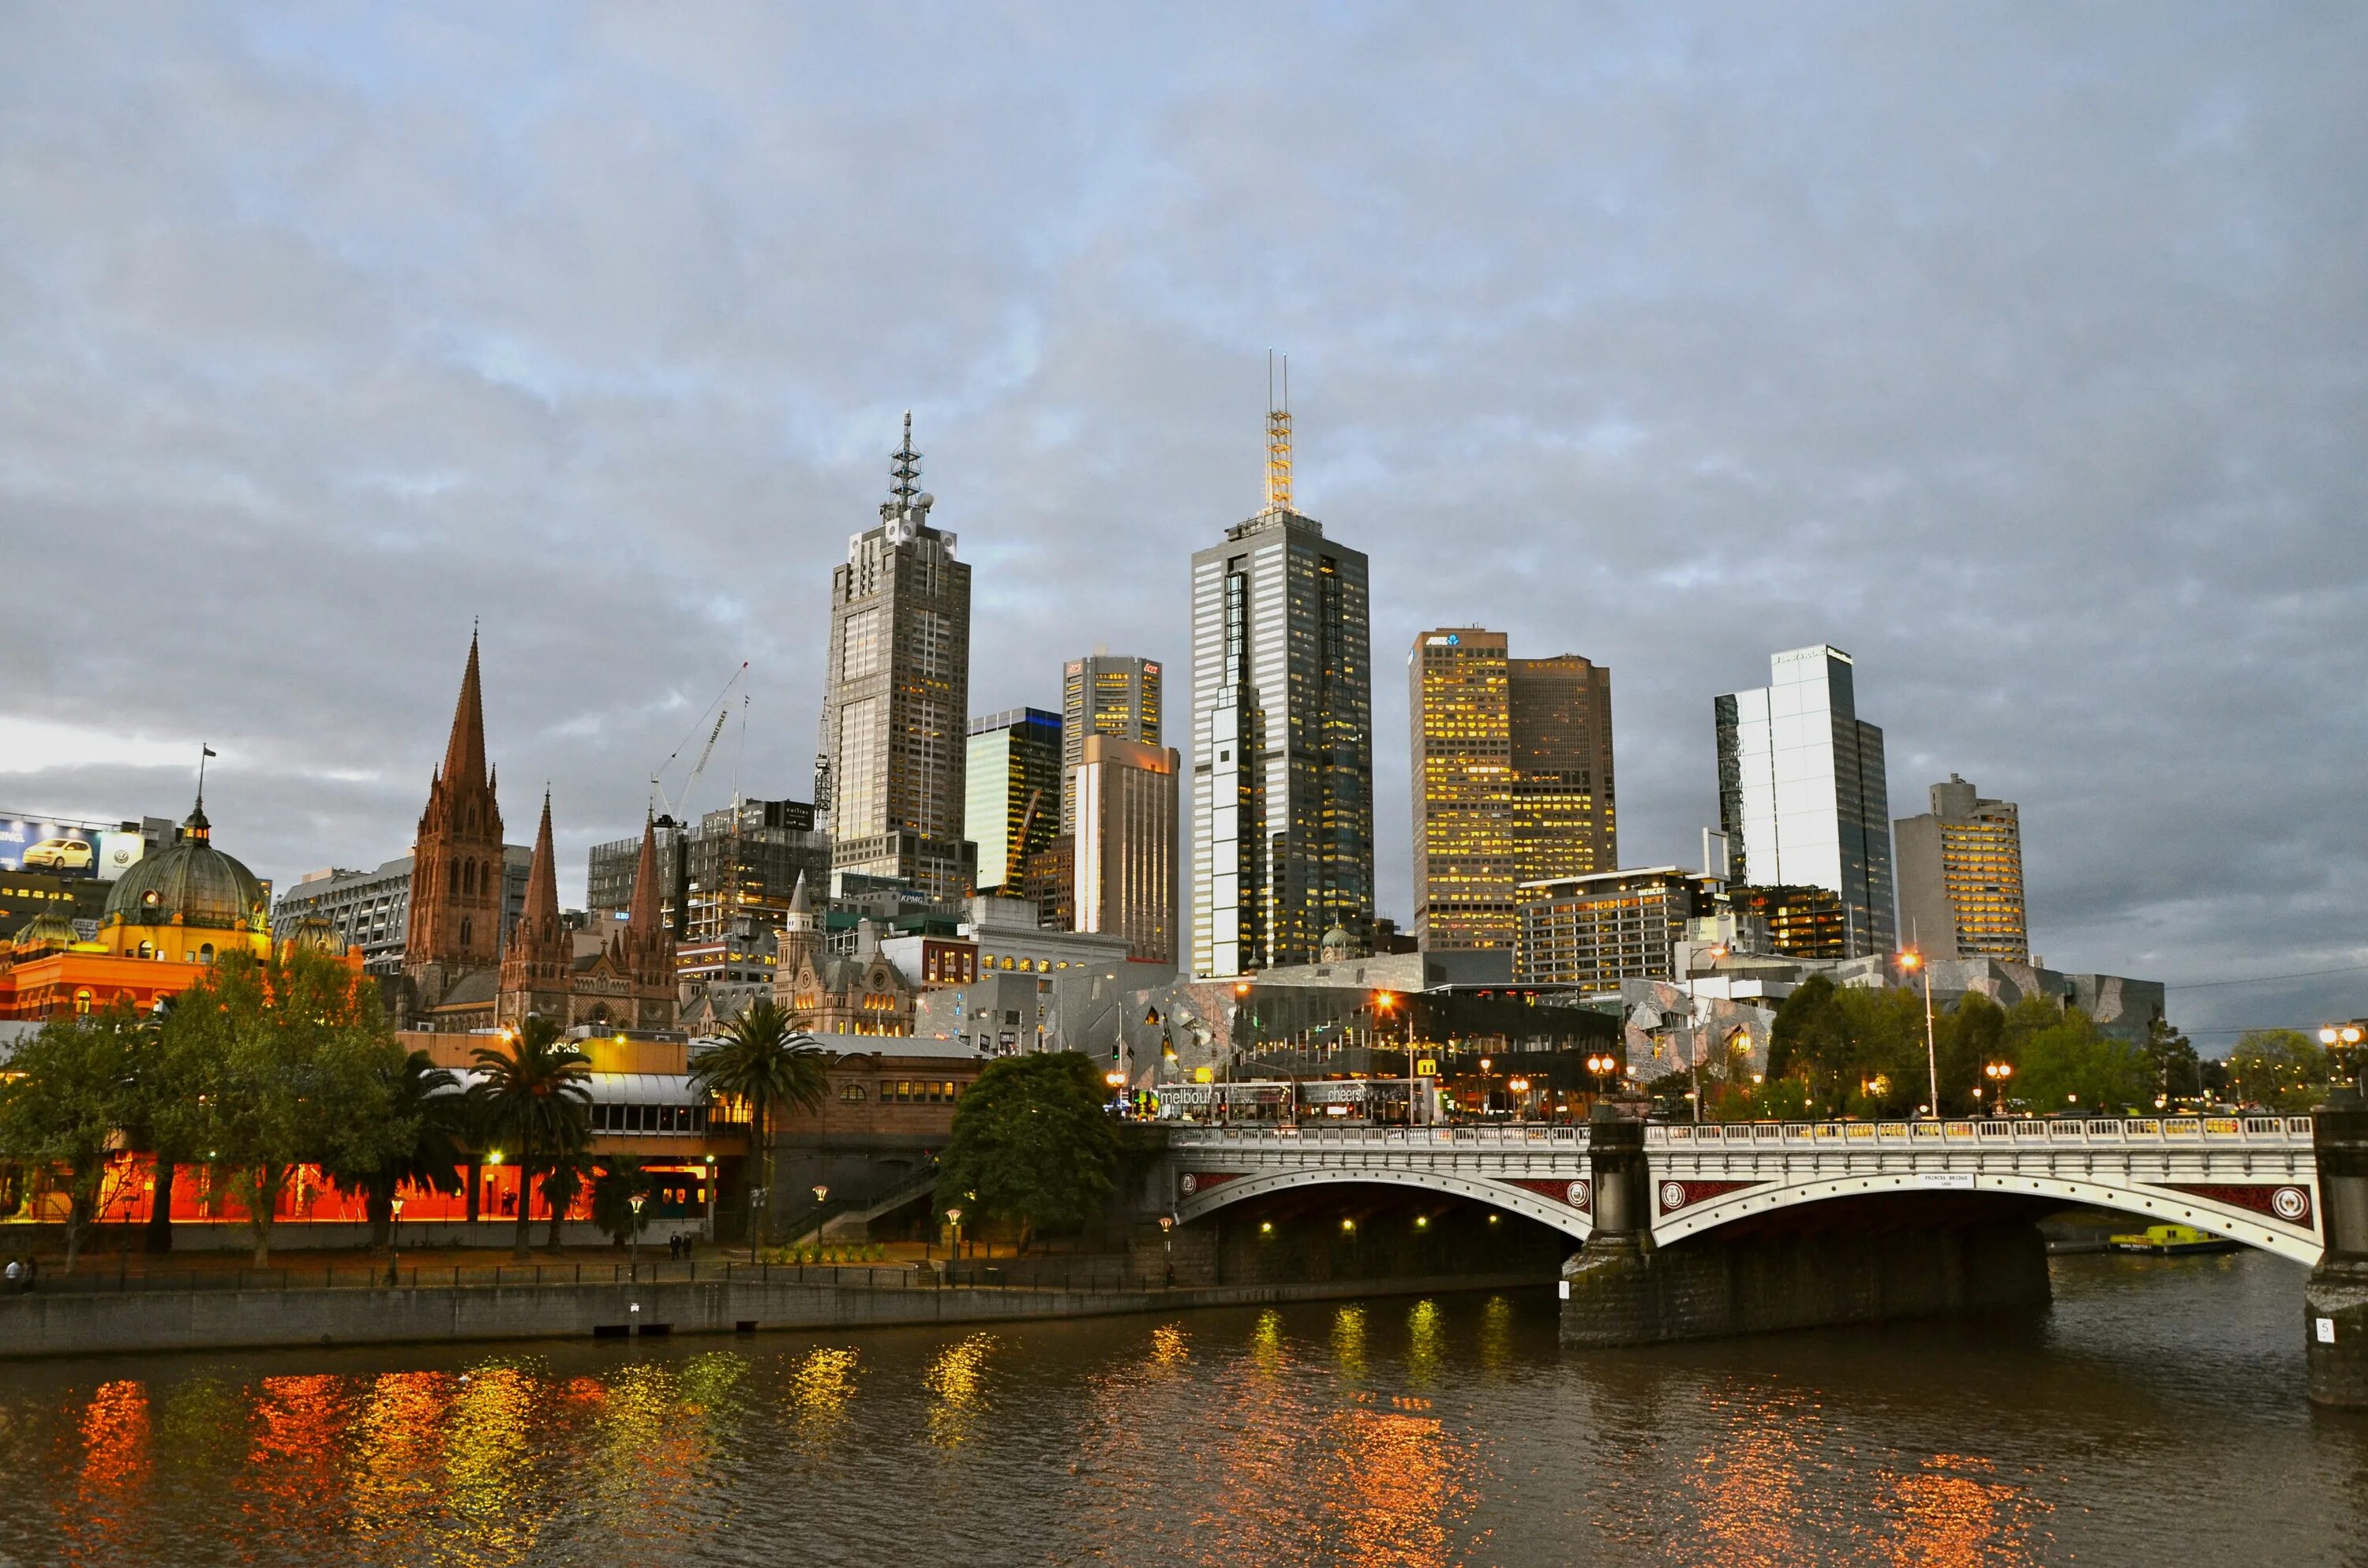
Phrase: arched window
(468, 875)
(206, 953)
(82, 1001)
(851, 1093)
(464, 930)
(147, 948)
(451, 877)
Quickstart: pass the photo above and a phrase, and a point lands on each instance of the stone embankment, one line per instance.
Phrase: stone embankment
(48, 1324)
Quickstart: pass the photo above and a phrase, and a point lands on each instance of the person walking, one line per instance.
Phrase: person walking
(15, 1275)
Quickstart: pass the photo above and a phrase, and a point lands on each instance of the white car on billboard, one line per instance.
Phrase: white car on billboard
(59, 854)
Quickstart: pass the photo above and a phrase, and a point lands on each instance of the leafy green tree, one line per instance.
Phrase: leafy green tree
(1973, 1036)
(66, 1095)
(424, 1100)
(1032, 1145)
(1807, 1029)
(533, 1100)
(770, 1066)
(291, 1062)
(2177, 1072)
(2074, 1066)
(2284, 1069)
(620, 1180)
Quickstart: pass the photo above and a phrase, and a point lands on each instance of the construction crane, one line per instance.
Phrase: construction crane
(675, 805)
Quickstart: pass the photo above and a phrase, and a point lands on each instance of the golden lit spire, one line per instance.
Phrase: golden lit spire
(1278, 437)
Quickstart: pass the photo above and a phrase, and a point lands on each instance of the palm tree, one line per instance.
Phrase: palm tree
(763, 1061)
(563, 1183)
(534, 1096)
(428, 1098)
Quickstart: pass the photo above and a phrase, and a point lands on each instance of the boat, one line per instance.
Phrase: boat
(2164, 1241)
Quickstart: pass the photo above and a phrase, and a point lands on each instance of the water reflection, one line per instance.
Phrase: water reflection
(1348, 1341)
(1293, 1435)
(114, 1474)
(1423, 1329)
(958, 1379)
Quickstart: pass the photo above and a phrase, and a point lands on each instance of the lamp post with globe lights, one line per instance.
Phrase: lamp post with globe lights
(1602, 1064)
(2341, 1040)
(1998, 1072)
(633, 1241)
(1913, 961)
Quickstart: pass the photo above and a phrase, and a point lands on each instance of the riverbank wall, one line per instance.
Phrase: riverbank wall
(44, 1325)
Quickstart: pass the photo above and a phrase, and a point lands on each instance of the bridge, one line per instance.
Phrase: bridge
(1691, 1229)
(2252, 1179)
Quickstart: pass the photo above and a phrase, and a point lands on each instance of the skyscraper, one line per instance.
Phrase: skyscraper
(896, 706)
(1103, 694)
(1013, 783)
(1126, 845)
(1512, 775)
(1282, 748)
(1801, 793)
(1961, 876)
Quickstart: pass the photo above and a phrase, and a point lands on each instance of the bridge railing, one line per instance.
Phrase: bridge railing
(1540, 1135)
(2022, 1133)
(2285, 1131)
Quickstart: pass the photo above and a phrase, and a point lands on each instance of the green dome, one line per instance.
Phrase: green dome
(47, 929)
(315, 933)
(190, 883)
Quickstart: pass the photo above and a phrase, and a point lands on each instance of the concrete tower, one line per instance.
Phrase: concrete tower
(896, 706)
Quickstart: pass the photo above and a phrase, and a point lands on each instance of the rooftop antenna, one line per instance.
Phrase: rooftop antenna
(1278, 437)
(907, 468)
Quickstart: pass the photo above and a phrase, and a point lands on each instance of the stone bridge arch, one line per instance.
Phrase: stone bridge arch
(2277, 1213)
(1555, 1203)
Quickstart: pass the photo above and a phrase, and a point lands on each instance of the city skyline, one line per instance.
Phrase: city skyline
(1573, 465)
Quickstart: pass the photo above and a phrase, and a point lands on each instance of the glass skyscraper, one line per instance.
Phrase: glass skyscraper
(1013, 778)
(1282, 746)
(1512, 781)
(1104, 694)
(1801, 793)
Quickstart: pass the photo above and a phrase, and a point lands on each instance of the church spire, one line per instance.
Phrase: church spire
(541, 914)
(642, 919)
(464, 753)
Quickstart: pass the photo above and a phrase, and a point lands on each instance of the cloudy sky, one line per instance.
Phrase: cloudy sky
(2022, 352)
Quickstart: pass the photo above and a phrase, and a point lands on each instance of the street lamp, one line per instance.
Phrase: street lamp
(756, 1210)
(395, 1239)
(1998, 1072)
(1517, 1088)
(2340, 1040)
(633, 1240)
(822, 1195)
(1168, 1249)
(953, 1218)
(1602, 1065)
(1913, 961)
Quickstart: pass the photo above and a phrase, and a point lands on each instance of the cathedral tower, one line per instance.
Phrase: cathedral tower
(456, 863)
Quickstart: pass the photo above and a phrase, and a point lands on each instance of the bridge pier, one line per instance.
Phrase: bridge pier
(2335, 1302)
(1866, 1260)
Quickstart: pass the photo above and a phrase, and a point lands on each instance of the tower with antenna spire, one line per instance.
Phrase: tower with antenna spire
(1282, 746)
(896, 701)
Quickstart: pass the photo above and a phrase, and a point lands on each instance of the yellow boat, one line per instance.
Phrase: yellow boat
(2165, 1240)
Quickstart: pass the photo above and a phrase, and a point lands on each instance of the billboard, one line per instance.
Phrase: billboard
(67, 848)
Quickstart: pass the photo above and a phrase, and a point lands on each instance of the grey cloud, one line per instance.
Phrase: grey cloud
(2019, 351)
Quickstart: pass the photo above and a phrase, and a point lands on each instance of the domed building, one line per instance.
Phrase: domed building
(165, 919)
(189, 903)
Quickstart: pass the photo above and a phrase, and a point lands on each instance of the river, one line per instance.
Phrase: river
(2156, 1415)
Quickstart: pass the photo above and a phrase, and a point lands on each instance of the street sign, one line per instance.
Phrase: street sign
(1426, 1068)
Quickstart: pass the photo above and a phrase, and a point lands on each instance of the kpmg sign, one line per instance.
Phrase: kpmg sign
(66, 848)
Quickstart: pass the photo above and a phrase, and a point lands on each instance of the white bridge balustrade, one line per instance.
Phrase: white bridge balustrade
(2253, 1179)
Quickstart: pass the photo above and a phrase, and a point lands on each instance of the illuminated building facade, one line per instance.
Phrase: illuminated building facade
(1012, 783)
(1513, 781)
(824, 993)
(1961, 877)
(1802, 922)
(1282, 750)
(1104, 694)
(1598, 931)
(1125, 844)
(896, 706)
(1801, 791)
